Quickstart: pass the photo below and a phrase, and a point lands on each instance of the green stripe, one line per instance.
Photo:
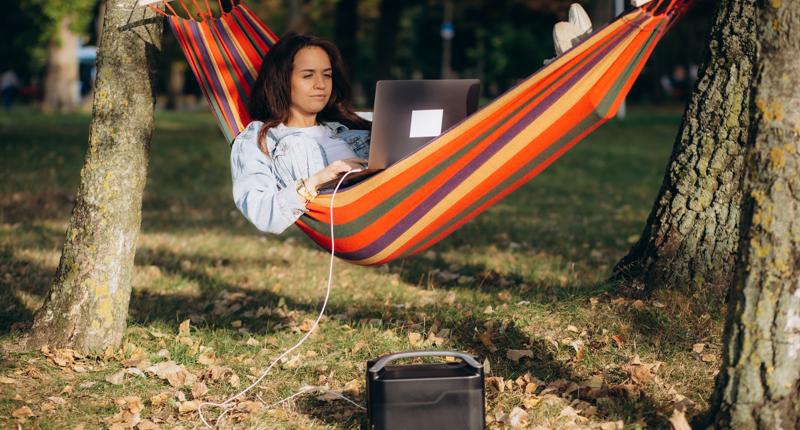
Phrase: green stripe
(387, 205)
(203, 80)
(230, 69)
(242, 25)
(588, 122)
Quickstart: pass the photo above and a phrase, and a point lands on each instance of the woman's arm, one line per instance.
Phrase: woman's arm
(257, 193)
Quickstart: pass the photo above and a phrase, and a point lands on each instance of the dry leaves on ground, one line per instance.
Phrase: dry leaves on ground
(516, 354)
(129, 414)
(175, 374)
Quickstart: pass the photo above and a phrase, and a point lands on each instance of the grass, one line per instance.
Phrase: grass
(528, 274)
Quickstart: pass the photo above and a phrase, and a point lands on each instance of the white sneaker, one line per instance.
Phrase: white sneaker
(579, 17)
(568, 34)
(565, 36)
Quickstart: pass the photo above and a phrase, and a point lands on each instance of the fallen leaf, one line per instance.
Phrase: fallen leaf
(183, 329)
(580, 349)
(61, 357)
(22, 412)
(207, 357)
(146, 424)
(619, 341)
(234, 380)
(517, 418)
(708, 358)
(160, 398)
(516, 354)
(698, 347)
(678, 420)
(188, 406)
(612, 425)
(136, 358)
(414, 338)
(306, 326)
(252, 342)
(116, 378)
(573, 329)
(175, 374)
(486, 340)
(638, 305)
(531, 402)
(352, 387)
(7, 380)
(199, 390)
(437, 339)
(496, 383)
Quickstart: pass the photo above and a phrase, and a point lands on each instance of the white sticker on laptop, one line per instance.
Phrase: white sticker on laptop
(426, 123)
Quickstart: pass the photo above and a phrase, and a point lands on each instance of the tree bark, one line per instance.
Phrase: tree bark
(87, 306)
(346, 31)
(386, 42)
(691, 236)
(298, 21)
(61, 85)
(759, 384)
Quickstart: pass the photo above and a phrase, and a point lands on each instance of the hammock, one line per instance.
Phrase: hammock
(415, 203)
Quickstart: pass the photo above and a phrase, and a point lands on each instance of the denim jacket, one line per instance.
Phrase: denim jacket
(263, 187)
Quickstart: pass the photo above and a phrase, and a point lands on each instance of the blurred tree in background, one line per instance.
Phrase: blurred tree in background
(499, 42)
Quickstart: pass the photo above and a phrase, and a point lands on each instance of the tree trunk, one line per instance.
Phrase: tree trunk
(297, 16)
(346, 33)
(759, 384)
(691, 237)
(61, 85)
(386, 43)
(175, 84)
(87, 305)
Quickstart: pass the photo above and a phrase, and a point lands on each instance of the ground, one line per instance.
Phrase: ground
(522, 286)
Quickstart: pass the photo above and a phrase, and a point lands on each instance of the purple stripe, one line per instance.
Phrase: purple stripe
(212, 76)
(262, 35)
(225, 38)
(423, 208)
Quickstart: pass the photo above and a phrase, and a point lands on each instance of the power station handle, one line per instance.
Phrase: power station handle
(383, 361)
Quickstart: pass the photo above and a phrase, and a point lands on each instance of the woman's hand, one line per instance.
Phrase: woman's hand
(334, 171)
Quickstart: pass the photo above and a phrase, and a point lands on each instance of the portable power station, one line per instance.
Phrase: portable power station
(435, 396)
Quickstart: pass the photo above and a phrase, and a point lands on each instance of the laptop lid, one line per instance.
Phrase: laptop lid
(409, 114)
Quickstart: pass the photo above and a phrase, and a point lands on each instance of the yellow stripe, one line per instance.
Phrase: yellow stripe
(233, 108)
(352, 195)
(511, 150)
(242, 53)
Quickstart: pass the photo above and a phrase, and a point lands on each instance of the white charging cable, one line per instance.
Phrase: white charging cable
(225, 405)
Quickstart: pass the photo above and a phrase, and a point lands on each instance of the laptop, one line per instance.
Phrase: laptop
(409, 114)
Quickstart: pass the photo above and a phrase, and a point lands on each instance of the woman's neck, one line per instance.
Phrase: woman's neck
(301, 120)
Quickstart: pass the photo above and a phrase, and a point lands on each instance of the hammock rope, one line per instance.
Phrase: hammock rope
(418, 201)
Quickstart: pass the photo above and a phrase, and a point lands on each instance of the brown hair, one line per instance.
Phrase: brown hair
(271, 97)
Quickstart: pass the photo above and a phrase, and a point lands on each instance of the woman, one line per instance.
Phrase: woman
(303, 132)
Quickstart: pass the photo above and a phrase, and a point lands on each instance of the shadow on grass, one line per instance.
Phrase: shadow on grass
(170, 308)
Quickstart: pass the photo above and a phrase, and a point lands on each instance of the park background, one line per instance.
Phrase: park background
(524, 285)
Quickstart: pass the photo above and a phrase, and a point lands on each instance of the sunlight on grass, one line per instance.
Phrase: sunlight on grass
(529, 274)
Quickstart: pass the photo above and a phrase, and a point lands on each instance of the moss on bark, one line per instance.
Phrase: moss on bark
(691, 236)
(87, 305)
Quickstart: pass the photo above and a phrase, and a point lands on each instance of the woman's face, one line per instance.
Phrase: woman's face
(312, 80)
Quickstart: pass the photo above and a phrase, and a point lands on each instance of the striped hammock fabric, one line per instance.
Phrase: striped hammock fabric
(417, 202)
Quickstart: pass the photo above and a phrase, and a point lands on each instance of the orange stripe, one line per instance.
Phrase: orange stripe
(228, 87)
(196, 46)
